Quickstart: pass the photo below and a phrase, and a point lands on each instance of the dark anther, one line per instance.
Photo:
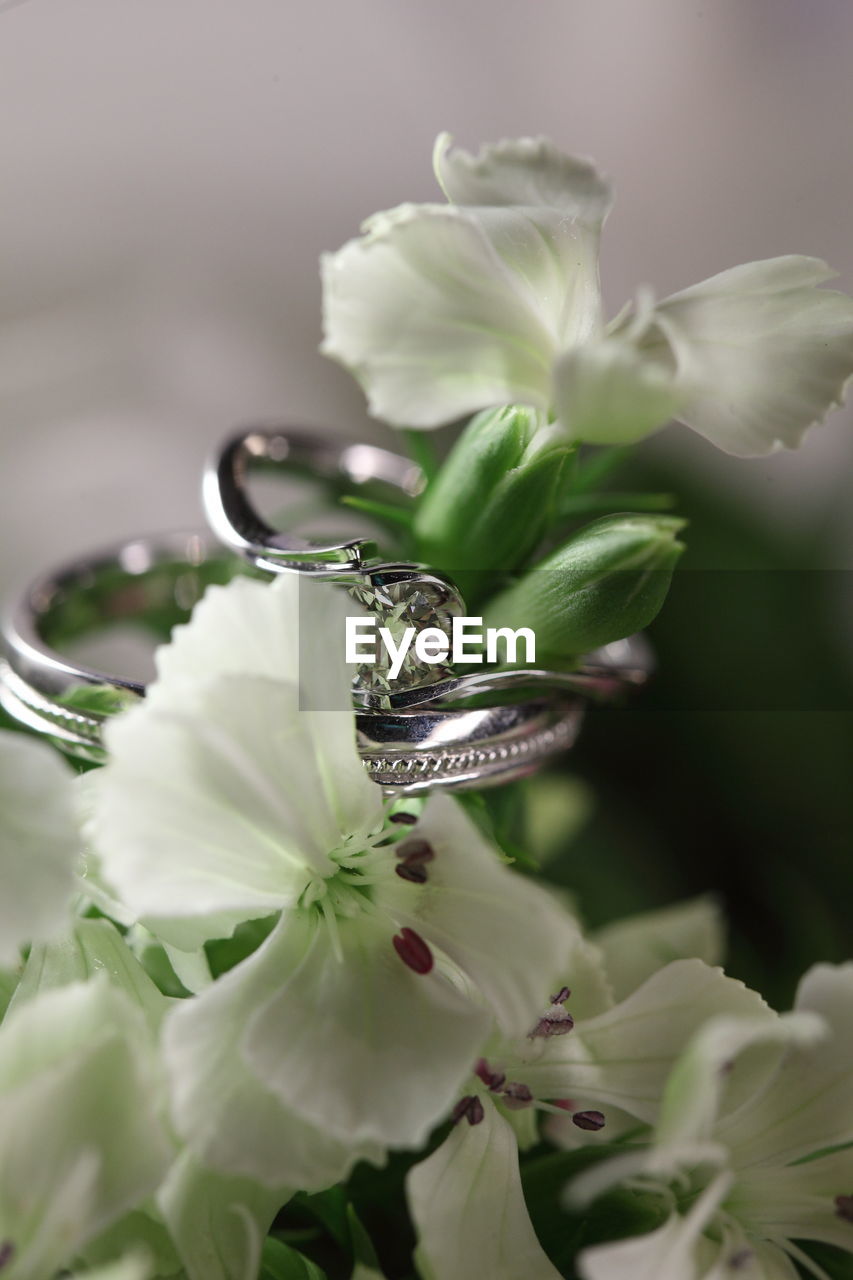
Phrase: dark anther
(411, 871)
(493, 1080)
(407, 819)
(844, 1207)
(562, 996)
(7, 1253)
(415, 850)
(412, 950)
(741, 1259)
(516, 1096)
(591, 1120)
(557, 1023)
(471, 1108)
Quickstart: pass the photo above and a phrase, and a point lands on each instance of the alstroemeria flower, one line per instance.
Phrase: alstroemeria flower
(225, 800)
(757, 1129)
(81, 1137)
(586, 1058)
(39, 843)
(440, 310)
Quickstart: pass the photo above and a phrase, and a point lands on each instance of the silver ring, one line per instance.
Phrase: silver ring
(154, 582)
(234, 520)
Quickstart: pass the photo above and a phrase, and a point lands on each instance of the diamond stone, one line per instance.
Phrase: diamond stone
(397, 604)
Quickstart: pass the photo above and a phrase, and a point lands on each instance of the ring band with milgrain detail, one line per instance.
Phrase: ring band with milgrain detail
(153, 583)
(428, 729)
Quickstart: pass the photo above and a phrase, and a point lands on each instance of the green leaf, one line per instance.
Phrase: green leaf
(330, 1208)
(362, 1246)
(421, 450)
(383, 511)
(599, 465)
(281, 1262)
(97, 699)
(607, 581)
(563, 1232)
(583, 504)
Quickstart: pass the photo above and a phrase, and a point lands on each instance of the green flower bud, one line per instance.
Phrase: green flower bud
(492, 501)
(609, 580)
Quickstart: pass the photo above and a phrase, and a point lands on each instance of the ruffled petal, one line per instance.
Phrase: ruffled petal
(357, 1042)
(671, 1252)
(523, 171)
(760, 352)
(606, 392)
(808, 1104)
(217, 1223)
(810, 1201)
(625, 1055)
(543, 211)
(431, 321)
(723, 1069)
(468, 1207)
(78, 1091)
(297, 1062)
(39, 844)
(291, 630)
(203, 820)
(226, 1113)
(636, 947)
(510, 936)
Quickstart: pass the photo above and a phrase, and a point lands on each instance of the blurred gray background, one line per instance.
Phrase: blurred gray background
(172, 170)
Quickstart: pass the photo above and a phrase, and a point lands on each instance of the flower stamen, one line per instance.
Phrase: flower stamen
(470, 1107)
(413, 951)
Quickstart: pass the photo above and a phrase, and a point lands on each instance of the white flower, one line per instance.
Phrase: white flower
(603, 1065)
(81, 1140)
(212, 1226)
(637, 946)
(39, 844)
(756, 1131)
(441, 310)
(227, 799)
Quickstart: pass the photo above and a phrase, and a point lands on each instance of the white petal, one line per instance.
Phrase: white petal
(78, 1091)
(808, 1104)
(543, 211)
(291, 630)
(432, 322)
(669, 1253)
(39, 843)
(728, 1060)
(624, 1056)
(133, 1267)
(638, 946)
(206, 820)
(218, 1223)
(92, 947)
(504, 931)
(796, 1201)
(468, 1207)
(223, 1109)
(523, 171)
(361, 1046)
(760, 352)
(605, 392)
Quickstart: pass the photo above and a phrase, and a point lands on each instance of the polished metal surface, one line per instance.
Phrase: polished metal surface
(153, 583)
(410, 738)
(236, 523)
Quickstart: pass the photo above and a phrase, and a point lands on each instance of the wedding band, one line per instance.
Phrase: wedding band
(235, 521)
(154, 583)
